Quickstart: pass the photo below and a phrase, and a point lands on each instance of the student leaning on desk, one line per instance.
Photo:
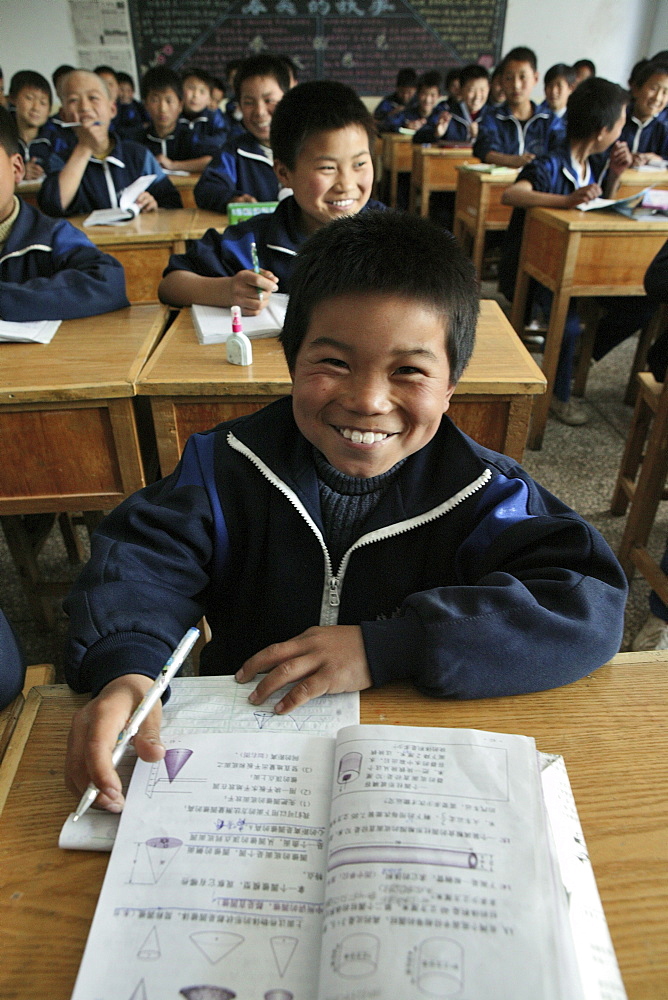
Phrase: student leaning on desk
(48, 269)
(350, 535)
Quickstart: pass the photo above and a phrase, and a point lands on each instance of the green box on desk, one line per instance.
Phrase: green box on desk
(239, 211)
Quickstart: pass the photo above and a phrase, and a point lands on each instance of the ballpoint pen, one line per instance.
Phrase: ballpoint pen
(256, 267)
(141, 711)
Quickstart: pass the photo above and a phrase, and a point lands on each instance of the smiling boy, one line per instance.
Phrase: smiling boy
(31, 96)
(351, 535)
(176, 142)
(321, 135)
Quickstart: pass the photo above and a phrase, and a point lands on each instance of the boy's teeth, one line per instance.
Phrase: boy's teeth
(359, 437)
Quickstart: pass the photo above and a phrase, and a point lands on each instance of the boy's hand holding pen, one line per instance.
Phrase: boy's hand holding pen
(249, 287)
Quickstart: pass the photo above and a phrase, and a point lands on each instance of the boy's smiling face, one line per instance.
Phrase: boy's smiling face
(332, 177)
(427, 100)
(32, 107)
(650, 99)
(557, 92)
(371, 380)
(85, 99)
(474, 94)
(257, 100)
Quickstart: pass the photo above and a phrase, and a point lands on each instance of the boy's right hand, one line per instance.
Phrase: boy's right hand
(246, 286)
(94, 732)
(586, 193)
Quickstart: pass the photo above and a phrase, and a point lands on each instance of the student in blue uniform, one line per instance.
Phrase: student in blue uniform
(460, 120)
(559, 84)
(564, 179)
(348, 535)
(244, 170)
(101, 165)
(31, 98)
(423, 109)
(399, 99)
(645, 132)
(321, 134)
(12, 663)
(206, 122)
(131, 115)
(173, 139)
(48, 269)
(516, 132)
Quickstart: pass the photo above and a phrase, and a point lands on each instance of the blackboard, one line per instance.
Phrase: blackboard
(360, 42)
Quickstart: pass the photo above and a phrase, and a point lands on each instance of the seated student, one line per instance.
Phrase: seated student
(101, 165)
(517, 131)
(48, 269)
(31, 96)
(559, 83)
(645, 133)
(453, 84)
(408, 551)
(243, 170)
(584, 68)
(564, 179)
(12, 663)
(217, 93)
(424, 108)
(174, 143)
(62, 139)
(131, 115)
(110, 77)
(404, 92)
(201, 119)
(496, 94)
(321, 134)
(460, 120)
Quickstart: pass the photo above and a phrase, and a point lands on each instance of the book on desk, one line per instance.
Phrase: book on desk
(213, 324)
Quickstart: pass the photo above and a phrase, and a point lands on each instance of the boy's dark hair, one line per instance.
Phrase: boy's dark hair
(59, 71)
(585, 64)
(594, 105)
(291, 66)
(661, 57)
(472, 72)
(9, 135)
(217, 81)
(406, 77)
(432, 78)
(559, 71)
(316, 106)
(640, 76)
(125, 78)
(29, 78)
(521, 53)
(160, 78)
(386, 253)
(198, 74)
(264, 65)
(452, 74)
(109, 70)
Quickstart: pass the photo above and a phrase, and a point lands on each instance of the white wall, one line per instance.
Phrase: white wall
(35, 34)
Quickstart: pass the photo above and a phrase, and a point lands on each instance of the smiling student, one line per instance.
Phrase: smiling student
(30, 93)
(349, 535)
(321, 135)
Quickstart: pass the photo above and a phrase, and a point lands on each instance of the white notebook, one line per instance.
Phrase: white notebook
(127, 205)
(39, 331)
(213, 324)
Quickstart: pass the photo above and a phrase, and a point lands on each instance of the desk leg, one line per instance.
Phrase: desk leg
(394, 183)
(553, 338)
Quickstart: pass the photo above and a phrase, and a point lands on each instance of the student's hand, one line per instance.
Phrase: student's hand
(165, 161)
(94, 732)
(473, 129)
(621, 158)
(416, 123)
(147, 202)
(246, 286)
(325, 659)
(524, 158)
(587, 193)
(444, 120)
(93, 136)
(641, 159)
(33, 170)
(246, 198)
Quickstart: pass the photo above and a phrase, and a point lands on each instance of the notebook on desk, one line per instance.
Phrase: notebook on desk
(213, 324)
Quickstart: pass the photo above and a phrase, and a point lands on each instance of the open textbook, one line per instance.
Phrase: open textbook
(127, 208)
(213, 324)
(387, 862)
(37, 331)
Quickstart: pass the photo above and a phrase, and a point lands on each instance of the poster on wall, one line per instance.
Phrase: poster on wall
(359, 42)
(103, 34)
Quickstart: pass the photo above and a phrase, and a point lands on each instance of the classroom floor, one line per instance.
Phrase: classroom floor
(578, 464)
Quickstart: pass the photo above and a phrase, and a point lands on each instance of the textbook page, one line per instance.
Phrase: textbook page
(214, 705)
(127, 205)
(213, 324)
(38, 331)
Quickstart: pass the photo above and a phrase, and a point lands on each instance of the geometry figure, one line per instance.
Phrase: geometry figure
(440, 967)
(357, 956)
(215, 945)
(206, 993)
(175, 758)
(283, 948)
(150, 949)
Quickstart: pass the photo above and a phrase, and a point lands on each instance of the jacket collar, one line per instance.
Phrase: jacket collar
(31, 231)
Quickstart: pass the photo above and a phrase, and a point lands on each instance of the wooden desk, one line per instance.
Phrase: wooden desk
(584, 254)
(28, 190)
(435, 169)
(397, 159)
(8, 719)
(632, 181)
(610, 727)
(478, 209)
(193, 387)
(185, 187)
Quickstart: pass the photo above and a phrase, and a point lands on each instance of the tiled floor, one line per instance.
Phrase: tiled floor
(579, 464)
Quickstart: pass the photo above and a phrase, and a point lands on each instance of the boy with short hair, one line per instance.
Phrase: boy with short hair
(31, 96)
(559, 83)
(201, 119)
(403, 94)
(244, 169)
(48, 269)
(645, 132)
(423, 109)
(101, 165)
(584, 68)
(172, 139)
(321, 135)
(517, 131)
(350, 535)
(131, 116)
(460, 120)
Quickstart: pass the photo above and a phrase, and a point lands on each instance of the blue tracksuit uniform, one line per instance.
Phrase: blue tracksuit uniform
(12, 664)
(502, 132)
(399, 119)
(277, 235)
(104, 180)
(63, 140)
(184, 143)
(646, 137)
(131, 121)
(51, 270)
(459, 126)
(209, 125)
(243, 166)
(41, 151)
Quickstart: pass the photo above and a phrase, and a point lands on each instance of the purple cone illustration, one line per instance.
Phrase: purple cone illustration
(175, 759)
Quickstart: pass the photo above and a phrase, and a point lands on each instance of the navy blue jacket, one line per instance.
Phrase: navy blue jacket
(459, 126)
(12, 665)
(411, 112)
(209, 124)
(650, 137)
(63, 140)
(51, 270)
(125, 164)
(277, 236)
(469, 579)
(131, 120)
(186, 142)
(501, 132)
(241, 167)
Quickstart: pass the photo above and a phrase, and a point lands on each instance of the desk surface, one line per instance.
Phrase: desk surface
(92, 358)
(610, 727)
(572, 220)
(147, 227)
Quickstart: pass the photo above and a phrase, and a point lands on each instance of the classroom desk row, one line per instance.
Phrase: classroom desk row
(609, 726)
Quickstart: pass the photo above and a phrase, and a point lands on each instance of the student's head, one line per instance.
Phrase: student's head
(162, 94)
(453, 83)
(559, 82)
(380, 325)
(31, 95)
(196, 90)
(519, 75)
(86, 98)
(217, 92)
(474, 87)
(58, 75)
(496, 94)
(584, 68)
(126, 88)
(292, 68)
(321, 138)
(11, 162)
(596, 113)
(428, 92)
(650, 90)
(110, 77)
(406, 84)
(231, 70)
(259, 85)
